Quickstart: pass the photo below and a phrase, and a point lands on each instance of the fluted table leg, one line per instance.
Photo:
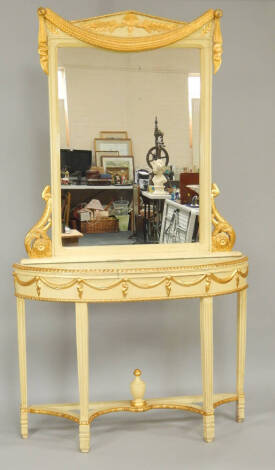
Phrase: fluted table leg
(241, 347)
(21, 325)
(82, 341)
(206, 331)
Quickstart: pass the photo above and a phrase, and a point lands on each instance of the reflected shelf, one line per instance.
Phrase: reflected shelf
(86, 186)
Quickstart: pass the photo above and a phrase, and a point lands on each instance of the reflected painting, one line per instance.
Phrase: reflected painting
(129, 146)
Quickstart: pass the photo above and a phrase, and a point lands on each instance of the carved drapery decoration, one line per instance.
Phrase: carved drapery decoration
(168, 32)
(42, 41)
(37, 242)
(167, 281)
(217, 41)
(223, 236)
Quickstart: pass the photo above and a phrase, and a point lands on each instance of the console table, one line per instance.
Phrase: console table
(86, 282)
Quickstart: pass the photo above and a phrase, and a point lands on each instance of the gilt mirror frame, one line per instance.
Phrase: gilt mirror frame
(133, 31)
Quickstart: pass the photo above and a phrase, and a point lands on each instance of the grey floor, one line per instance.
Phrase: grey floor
(155, 440)
(119, 238)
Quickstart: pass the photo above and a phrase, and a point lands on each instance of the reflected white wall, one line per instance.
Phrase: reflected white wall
(112, 91)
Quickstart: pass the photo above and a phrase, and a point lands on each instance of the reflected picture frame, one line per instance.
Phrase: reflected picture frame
(123, 146)
(101, 153)
(119, 161)
(113, 134)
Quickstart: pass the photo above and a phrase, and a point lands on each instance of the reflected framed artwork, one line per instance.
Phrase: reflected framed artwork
(114, 134)
(101, 153)
(122, 146)
(119, 165)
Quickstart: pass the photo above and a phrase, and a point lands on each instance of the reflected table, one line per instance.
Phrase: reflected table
(153, 210)
(84, 283)
(71, 237)
(194, 187)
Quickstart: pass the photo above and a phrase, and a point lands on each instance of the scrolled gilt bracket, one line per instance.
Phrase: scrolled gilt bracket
(223, 235)
(37, 242)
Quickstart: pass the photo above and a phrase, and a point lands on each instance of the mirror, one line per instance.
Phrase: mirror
(129, 145)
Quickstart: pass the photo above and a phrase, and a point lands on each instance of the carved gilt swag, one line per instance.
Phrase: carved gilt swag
(91, 31)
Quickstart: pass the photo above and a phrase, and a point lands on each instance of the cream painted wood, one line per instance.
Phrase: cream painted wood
(102, 405)
(241, 348)
(55, 146)
(191, 403)
(132, 281)
(21, 325)
(82, 341)
(155, 258)
(137, 388)
(195, 136)
(206, 331)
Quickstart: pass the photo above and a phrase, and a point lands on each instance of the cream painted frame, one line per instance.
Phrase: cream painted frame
(142, 252)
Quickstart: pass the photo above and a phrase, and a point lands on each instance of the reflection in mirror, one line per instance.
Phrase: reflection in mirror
(129, 146)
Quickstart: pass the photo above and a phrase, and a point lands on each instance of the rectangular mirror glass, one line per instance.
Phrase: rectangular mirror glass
(129, 146)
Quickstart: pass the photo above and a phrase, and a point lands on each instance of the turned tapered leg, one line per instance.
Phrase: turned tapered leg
(241, 347)
(82, 341)
(21, 325)
(206, 331)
